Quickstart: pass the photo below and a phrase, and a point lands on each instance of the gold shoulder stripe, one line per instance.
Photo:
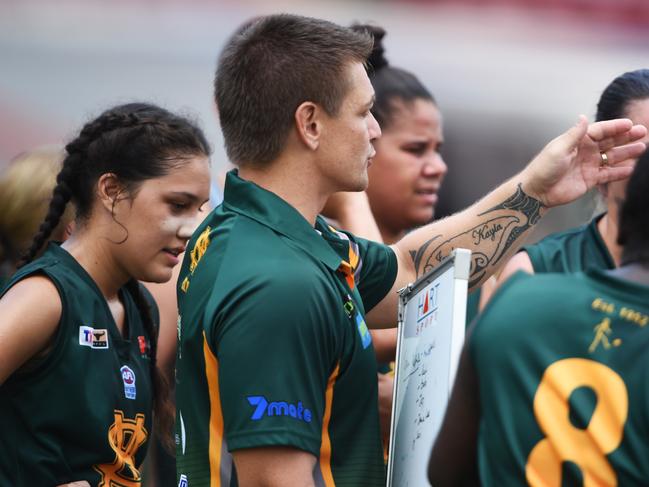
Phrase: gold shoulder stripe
(200, 247)
(185, 285)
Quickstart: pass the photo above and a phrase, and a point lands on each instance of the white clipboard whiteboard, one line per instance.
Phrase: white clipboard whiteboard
(432, 315)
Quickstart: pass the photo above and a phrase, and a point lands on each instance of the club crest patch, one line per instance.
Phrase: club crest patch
(128, 378)
(93, 337)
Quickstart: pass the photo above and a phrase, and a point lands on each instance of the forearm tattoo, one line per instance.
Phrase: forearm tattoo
(488, 241)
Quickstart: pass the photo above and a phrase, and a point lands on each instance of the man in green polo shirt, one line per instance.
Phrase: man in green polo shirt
(276, 380)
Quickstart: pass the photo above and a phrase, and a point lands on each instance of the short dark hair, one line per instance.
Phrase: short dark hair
(268, 68)
(391, 84)
(633, 233)
(622, 91)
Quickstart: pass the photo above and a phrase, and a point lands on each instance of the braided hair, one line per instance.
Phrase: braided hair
(136, 142)
(390, 84)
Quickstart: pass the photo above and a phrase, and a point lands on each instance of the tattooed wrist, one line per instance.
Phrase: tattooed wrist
(521, 201)
(499, 228)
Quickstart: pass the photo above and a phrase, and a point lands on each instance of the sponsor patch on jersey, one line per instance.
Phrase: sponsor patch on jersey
(144, 346)
(93, 337)
(278, 408)
(363, 331)
(183, 481)
(128, 378)
(354, 314)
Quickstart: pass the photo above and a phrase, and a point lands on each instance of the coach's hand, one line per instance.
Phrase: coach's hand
(572, 163)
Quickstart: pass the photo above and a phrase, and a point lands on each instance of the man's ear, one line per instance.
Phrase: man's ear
(308, 122)
(110, 190)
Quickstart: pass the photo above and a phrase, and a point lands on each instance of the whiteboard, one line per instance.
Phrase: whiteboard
(432, 315)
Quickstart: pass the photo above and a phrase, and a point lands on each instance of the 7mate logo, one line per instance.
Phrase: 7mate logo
(278, 408)
(93, 337)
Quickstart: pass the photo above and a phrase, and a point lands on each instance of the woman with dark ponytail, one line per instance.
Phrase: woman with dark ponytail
(79, 384)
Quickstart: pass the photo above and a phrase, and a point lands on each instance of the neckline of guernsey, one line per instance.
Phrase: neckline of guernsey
(87, 278)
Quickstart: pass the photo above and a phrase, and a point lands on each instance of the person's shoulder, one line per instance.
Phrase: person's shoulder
(355, 239)
(42, 272)
(559, 239)
(257, 252)
(545, 283)
(35, 288)
(49, 261)
(523, 289)
(293, 277)
(525, 304)
(287, 300)
(563, 251)
(292, 289)
(31, 311)
(221, 239)
(35, 298)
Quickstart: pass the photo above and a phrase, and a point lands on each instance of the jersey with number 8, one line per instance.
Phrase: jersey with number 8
(561, 363)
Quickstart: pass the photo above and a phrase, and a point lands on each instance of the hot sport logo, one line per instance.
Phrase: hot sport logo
(427, 303)
(128, 378)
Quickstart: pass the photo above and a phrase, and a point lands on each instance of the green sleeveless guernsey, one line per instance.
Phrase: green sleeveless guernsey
(562, 364)
(574, 250)
(83, 412)
(273, 346)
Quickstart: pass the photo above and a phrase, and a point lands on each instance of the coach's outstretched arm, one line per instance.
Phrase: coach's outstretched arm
(495, 227)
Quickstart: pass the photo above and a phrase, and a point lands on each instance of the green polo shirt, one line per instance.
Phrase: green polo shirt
(574, 250)
(273, 347)
(562, 366)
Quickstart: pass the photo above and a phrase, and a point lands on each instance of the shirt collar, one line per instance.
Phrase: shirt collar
(268, 209)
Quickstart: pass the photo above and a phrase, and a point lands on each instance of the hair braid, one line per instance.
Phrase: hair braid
(63, 191)
(60, 198)
(162, 406)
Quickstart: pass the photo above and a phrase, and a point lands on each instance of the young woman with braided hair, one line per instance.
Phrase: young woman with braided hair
(79, 385)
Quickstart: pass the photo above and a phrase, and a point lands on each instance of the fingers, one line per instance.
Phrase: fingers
(575, 134)
(622, 153)
(599, 131)
(80, 483)
(635, 133)
(608, 174)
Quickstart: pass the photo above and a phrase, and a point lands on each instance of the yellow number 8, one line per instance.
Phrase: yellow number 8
(563, 441)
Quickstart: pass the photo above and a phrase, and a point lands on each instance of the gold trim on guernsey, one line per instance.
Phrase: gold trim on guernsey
(325, 447)
(216, 415)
